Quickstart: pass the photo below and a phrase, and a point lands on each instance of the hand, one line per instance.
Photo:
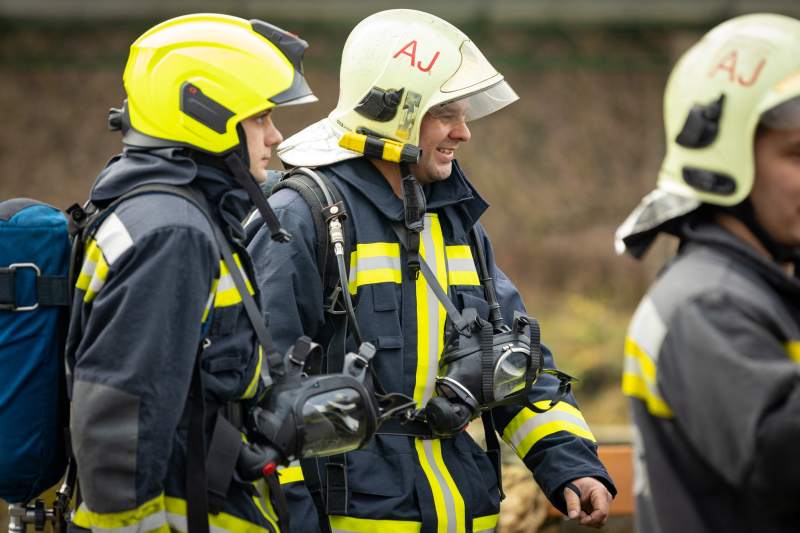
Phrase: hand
(592, 506)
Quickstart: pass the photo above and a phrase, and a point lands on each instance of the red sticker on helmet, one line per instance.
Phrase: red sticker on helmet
(410, 50)
(729, 64)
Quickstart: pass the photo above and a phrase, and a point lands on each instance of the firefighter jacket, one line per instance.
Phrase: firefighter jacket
(151, 287)
(711, 365)
(401, 483)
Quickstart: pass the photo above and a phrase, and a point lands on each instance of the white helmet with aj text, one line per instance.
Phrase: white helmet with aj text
(396, 66)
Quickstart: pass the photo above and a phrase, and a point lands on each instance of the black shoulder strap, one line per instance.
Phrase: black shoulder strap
(319, 193)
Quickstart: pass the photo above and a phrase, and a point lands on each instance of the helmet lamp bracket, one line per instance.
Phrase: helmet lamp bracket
(379, 104)
(702, 124)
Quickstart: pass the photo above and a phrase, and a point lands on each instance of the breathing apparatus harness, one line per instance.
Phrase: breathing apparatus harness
(485, 364)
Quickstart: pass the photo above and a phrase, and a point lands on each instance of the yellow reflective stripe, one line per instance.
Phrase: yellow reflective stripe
(459, 251)
(380, 275)
(458, 500)
(376, 262)
(150, 516)
(90, 257)
(793, 349)
(219, 523)
(447, 500)
(264, 503)
(377, 249)
(253, 386)
(290, 474)
(94, 272)
(485, 524)
(227, 294)
(529, 427)
(461, 266)
(455, 277)
(431, 315)
(351, 524)
(639, 380)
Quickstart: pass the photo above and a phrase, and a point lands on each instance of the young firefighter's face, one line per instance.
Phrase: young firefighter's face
(442, 131)
(262, 136)
(776, 190)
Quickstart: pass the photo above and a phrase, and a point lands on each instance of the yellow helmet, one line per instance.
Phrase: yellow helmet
(744, 72)
(190, 80)
(396, 66)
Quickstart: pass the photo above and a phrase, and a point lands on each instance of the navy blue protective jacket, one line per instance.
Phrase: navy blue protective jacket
(152, 286)
(397, 482)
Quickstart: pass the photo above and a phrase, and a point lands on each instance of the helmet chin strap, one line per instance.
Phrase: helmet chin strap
(244, 178)
(745, 212)
(414, 217)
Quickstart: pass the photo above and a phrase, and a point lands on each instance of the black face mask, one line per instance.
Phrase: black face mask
(304, 415)
(483, 367)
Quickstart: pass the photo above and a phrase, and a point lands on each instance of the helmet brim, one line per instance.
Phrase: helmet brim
(656, 209)
(315, 145)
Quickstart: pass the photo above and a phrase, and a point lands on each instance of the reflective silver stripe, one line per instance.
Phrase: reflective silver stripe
(86, 518)
(374, 263)
(97, 282)
(178, 522)
(431, 257)
(449, 500)
(88, 267)
(647, 329)
(112, 238)
(462, 265)
(541, 419)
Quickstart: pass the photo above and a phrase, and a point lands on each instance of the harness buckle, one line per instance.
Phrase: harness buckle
(12, 270)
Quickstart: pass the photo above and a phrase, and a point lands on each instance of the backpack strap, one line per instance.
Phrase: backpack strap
(320, 194)
(51, 291)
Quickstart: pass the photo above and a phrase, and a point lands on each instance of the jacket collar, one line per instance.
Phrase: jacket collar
(454, 195)
(710, 234)
(173, 166)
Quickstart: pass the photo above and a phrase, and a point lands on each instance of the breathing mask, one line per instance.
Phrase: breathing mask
(304, 415)
(485, 364)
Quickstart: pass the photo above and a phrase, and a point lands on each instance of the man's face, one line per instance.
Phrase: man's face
(442, 130)
(261, 136)
(776, 191)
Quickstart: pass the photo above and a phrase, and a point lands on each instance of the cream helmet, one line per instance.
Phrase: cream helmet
(396, 66)
(744, 72)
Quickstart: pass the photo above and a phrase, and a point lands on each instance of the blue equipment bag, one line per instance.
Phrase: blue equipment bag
(34, 304)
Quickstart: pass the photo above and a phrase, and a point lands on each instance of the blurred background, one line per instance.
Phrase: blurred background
(561, 168)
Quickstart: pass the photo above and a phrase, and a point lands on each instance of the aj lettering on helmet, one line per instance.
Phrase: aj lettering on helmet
(729, 64)
(412, 54)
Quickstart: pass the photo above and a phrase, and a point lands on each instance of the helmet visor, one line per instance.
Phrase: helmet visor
(477, 105)
(784, 116)
(334, 422)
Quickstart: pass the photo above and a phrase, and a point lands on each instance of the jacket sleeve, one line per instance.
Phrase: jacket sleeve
(735, 394)
(287, 272)
(143, 301)
(557, 446)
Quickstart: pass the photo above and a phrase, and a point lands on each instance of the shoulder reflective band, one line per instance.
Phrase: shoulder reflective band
(385, 149)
